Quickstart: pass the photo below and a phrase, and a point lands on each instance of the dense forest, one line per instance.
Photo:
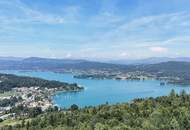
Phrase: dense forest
(9, 102)
(162, 113)
(9, 81)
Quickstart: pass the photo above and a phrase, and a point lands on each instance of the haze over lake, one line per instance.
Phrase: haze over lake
(98, 92)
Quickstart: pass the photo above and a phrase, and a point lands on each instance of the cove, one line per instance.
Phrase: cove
(98, 92)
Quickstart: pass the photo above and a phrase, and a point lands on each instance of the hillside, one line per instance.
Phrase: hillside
(8, 82)
(172, 68)
(162, 113)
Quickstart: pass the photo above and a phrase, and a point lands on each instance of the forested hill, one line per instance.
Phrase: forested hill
(162, 113)
(8, 82)
(167, 66)
(173, 69)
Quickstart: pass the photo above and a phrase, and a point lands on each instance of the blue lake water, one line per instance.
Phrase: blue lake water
(101, 91)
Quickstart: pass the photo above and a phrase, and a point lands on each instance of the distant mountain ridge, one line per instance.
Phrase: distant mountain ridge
(151, 60)
(11, 58)
(36, 63)
(38, 59)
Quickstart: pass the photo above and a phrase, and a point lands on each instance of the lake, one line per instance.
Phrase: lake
(98, 92)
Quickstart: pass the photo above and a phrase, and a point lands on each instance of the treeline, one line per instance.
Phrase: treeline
(9, 102)
(9, 81)
(25, 112)
(162, 113)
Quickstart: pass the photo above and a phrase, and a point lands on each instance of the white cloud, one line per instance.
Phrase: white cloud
(158, 49)
(149, 27)
(22, 13)
(124, 54)
(158, 33)
(68, 55)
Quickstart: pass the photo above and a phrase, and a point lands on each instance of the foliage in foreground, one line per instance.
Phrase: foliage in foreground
(162, 113)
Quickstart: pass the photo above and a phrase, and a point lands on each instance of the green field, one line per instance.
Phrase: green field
(7, 94)
(9, 122)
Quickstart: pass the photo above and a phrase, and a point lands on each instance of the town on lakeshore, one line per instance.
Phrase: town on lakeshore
(20, 95)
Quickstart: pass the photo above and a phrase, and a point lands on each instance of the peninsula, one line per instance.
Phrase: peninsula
(20, 95)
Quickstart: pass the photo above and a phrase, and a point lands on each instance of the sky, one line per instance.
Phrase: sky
(95, 29)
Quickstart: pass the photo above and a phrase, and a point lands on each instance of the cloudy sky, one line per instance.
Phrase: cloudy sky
(95, 29)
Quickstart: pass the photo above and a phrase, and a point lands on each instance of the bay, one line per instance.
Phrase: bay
(98, 92)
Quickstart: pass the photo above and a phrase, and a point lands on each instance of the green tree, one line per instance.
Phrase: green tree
(174, 125)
